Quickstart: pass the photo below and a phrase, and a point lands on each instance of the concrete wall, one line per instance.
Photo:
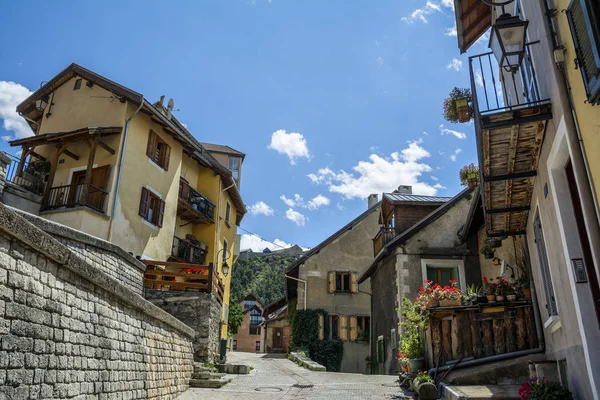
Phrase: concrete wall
(68, 330)
(17, 197)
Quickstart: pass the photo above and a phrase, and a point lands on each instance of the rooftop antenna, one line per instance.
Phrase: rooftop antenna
(170, 105)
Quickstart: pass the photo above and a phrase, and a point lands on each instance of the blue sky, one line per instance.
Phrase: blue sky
(330, 100)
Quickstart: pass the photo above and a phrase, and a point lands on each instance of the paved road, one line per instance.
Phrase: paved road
(276, 378)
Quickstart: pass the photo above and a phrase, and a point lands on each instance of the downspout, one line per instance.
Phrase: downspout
(120, 169)
(32, 121)
(305, 287)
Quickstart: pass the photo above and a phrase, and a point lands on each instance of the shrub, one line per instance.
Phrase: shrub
(328, 353)
(543, 389)
(423, 377)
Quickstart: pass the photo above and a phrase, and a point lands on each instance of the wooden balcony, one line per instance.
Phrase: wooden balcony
(472, 332)
(170, 276)
(383, 237)
(68, 196)
(511, 117)
(193, 206)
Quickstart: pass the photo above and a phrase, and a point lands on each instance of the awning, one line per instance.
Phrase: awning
(473, 19)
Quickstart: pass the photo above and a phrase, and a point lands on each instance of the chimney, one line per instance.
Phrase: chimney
(161, 101)
(404, 189)
(373, 199)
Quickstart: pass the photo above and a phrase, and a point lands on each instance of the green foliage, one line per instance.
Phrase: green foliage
(305, 327)
(423, 377)
(236, 316)
(413, 322)
(38, 168)
(328, 353)
(262, 276)
(542, 389)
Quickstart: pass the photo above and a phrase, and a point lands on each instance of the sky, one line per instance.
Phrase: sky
(329, 100)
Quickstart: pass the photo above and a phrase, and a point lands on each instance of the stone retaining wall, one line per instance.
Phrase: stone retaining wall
(68, 330)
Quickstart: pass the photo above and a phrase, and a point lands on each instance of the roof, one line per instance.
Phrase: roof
(71, 135)
(473, 19)
(411, 198)
(410, 232)
(220, 148)
(171, 124)
(331, 238)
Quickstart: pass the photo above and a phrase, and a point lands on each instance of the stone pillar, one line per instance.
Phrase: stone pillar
(4, 163)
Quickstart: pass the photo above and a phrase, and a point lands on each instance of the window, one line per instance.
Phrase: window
(248, 304)
(255, 320)
(584, 20)
(152, 208)
(546, 277)
(77, 84)
(333, 322)
(364, 328)
(257, 345)
(158, 151)
(442, 275)
(227, 213)
(235, 164)
(342, 282)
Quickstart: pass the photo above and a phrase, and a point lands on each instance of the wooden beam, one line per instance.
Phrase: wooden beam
(512, 153)
(517, 121)
(38, 156)
(60, 148)
(88, 172)
(106, 147)
(72, 155)
(24, 153)
(501, 234)
(516, 175)
(508, 210)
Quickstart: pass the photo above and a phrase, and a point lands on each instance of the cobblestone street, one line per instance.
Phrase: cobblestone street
(276, 378)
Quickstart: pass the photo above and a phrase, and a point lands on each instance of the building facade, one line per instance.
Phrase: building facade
(249, 338)
(537, 177)
(125, 170)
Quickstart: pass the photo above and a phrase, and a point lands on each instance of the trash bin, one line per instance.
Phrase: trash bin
(222, 351)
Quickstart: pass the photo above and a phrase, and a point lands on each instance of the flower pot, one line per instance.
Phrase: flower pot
(482, 299)
(472, 183)
(499, 298)
(526, 293)
(462, 108)
(432, 303)
(488, 255)
(511, 297)
(494, 243)
(491, 298)
(416, 364)
(450, 303)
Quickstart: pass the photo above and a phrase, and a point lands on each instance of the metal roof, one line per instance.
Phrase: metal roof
(219, 148)
(399, 197)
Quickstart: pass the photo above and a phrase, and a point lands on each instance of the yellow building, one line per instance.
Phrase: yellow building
(127, 171)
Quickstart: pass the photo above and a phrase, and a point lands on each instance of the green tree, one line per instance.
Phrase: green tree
(236, 316)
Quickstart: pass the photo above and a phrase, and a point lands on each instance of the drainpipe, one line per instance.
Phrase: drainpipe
(305, 287)
(32, 121)
(120, 169)
(219, 218)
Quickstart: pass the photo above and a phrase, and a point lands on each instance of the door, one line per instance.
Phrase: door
(287, 338)
(95, 193)
(278, 339)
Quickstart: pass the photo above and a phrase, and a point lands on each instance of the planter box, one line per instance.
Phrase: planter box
(450, 303)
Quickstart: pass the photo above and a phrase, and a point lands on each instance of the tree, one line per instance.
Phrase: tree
(236, 316)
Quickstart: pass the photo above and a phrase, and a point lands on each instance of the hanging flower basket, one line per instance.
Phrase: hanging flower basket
(469, 175)
(462, 107)
(458, 107)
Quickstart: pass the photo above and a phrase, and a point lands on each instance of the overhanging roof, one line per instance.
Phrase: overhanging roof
(473, 19)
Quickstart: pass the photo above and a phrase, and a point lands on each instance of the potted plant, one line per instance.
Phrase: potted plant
(474, 293)
(511, 293)
(411, 338)
(485, 248)
(469, 175)
(488, 289)
(523, 284)
(457, 107)
(543, 389)
(428, 295)
(451, 296)
(502, 288)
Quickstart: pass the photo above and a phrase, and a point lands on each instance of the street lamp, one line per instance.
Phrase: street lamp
(507, 41)
(225, 266)
(41, 103)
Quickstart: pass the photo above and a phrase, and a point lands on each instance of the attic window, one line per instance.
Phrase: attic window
(77, 84)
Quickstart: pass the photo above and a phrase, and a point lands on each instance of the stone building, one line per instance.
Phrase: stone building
(276, 330)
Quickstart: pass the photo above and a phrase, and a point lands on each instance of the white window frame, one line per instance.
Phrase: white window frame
(435, 262)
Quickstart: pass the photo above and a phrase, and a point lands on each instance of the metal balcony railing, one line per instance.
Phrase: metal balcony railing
(187, 251)
(34, 184)
(497, 90)
(196, 201)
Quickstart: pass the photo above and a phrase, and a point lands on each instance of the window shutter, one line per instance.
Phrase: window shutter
(343, 328)
(167, 157)
(353, 283)
(151, 148)
(144, 203)
(331, 281)
(321, 327)
(587, 46)
(161, 213)
(353, 329)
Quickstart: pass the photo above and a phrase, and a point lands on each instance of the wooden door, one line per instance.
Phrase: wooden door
(96, 193)
(277, 338)
(287, 338)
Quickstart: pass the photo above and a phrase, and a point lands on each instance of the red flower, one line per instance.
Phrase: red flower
(427, 281)
(452, 281)
(484, 280)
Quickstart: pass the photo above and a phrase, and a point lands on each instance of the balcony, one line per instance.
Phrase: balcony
(68, 196)
(510, 121)
(183, 277)
(27, 181)
(188, 251)
(193, 206)
(383, 237)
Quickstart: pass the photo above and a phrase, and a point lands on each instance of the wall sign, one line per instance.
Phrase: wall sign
(579, 269)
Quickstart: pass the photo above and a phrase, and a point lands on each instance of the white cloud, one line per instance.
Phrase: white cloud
(256, 243)
(318, 201)
(292, 145)
(420, 14)
(340, 207)
(11, 94)
(380, 62)
(456, 152)
(455, 64)
(448, 3)
(260, 208)
(451, 31)
(445, 131)
(435, 178)
(297, 200)
(439, 186)
(379, 174)
(479, 78)
(6, 138)
(296, 217)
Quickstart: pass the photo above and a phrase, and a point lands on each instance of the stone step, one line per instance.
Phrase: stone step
(207, 375)
(482, 392)
(199, 368)
(208, 383)
(236, 369)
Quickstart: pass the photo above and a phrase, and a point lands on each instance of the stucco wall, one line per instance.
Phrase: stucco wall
(69, 330)
(268, 336)
(245, 341)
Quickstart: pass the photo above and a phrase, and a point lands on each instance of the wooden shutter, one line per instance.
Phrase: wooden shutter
(167, 157)
(353, 283)
(151, 148)
(343, 328)
(161, 213)
(331, 281)
(587, 46)
(321, 327)
(144, 203)
(353, 329)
